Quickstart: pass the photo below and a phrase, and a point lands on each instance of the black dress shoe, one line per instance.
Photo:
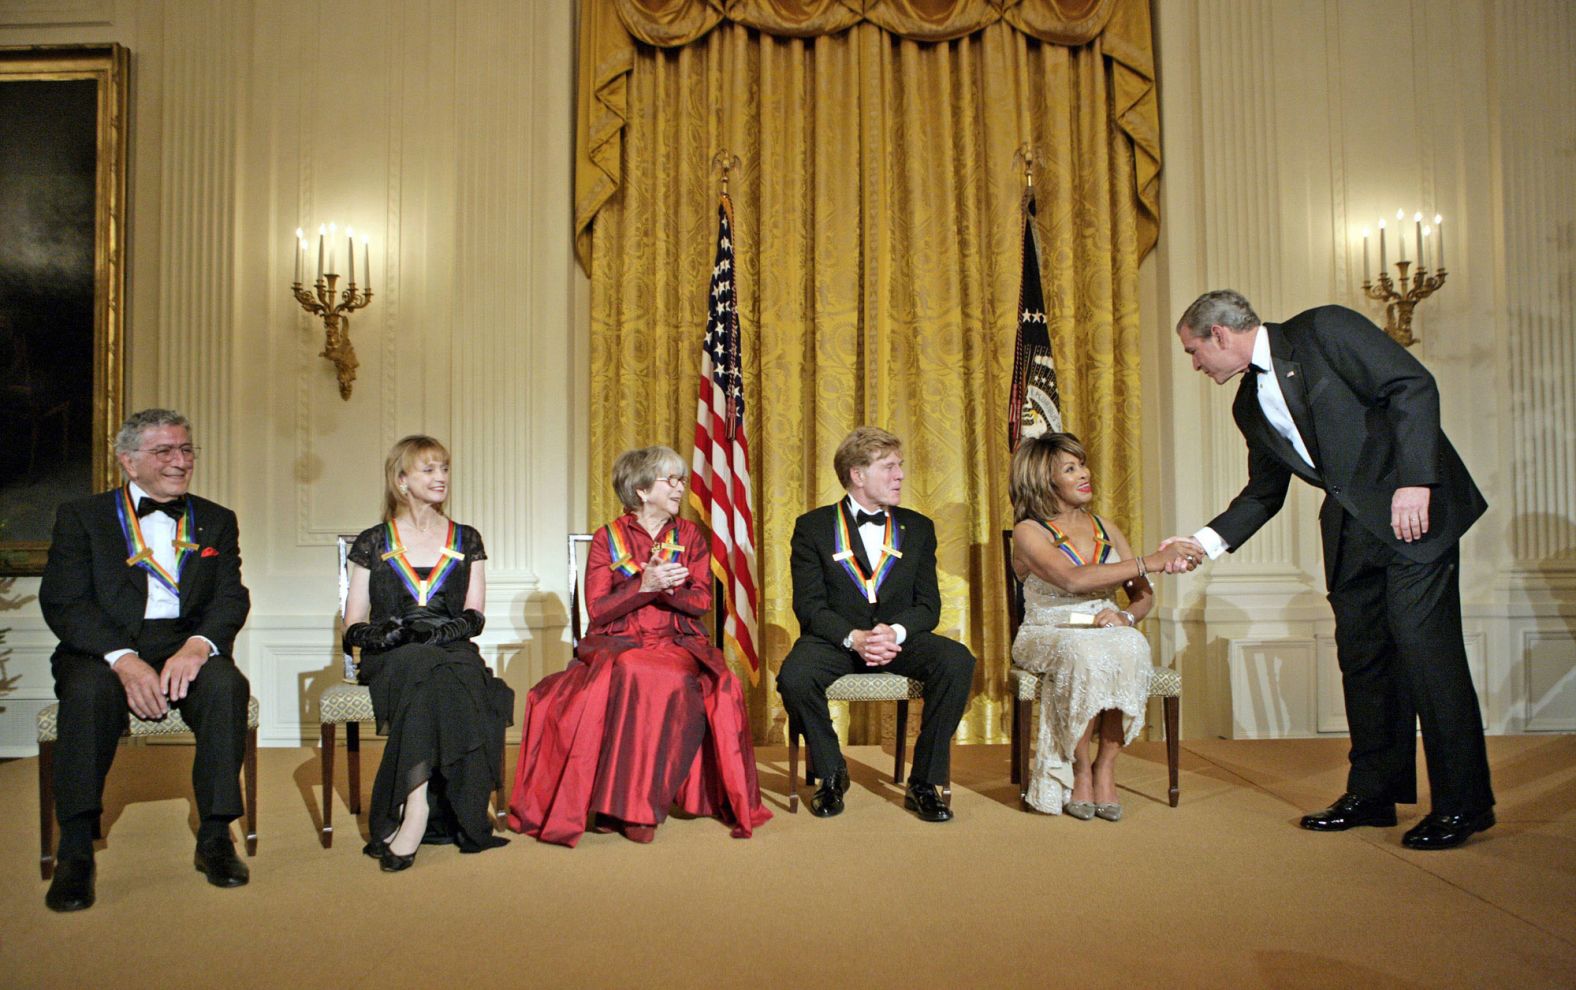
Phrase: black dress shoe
(1349, 812)
(828, 800)
(217, 859)
(1438, 831)
(923, 801)
(72, 886)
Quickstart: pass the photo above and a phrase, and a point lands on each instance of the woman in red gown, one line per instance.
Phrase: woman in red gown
(647, 717)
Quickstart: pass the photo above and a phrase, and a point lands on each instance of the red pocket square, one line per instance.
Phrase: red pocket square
(209, 552)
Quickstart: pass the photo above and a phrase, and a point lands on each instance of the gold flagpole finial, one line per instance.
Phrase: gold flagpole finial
(1025, 154)
(725, 162)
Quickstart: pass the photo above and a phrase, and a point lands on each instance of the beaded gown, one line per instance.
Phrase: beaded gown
(647, 717)
(443, 710)
(1089, 670)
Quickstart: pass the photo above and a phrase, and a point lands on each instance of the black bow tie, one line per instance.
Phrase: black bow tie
(870, 518)
(174, 508)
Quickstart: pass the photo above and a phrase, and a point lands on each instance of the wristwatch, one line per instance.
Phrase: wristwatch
(1129, 617)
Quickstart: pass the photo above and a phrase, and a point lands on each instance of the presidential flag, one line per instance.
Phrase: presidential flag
(1034, 406)
(720, 482)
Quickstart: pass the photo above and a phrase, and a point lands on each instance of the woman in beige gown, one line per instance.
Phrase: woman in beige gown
(1097, 665)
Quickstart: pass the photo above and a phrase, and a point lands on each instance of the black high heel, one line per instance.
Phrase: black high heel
(392, 862)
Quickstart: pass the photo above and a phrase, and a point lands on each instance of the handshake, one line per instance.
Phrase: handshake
(1178, 555)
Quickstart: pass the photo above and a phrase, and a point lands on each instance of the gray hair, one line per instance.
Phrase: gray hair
(638, 469)
(1222, 307)
(129, 439)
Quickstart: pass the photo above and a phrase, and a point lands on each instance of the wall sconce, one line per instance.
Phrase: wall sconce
(1403, 294)
(328, 302)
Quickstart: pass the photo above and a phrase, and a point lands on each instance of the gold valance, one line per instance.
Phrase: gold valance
(610, 30)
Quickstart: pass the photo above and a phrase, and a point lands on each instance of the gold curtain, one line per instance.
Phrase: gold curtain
(876, 236)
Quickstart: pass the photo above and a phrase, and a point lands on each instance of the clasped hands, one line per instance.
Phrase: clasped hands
(148, 691)
(662, 575)
(876, 647)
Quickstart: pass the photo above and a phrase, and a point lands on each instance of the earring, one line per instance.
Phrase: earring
(404, 489)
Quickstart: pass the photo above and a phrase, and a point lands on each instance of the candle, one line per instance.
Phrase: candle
(1418, 219)
(1439, 246)
(351, 231)
(1423, 255)
(1400, 239)
(366, 260)
(1383, 263)
(333, 232)
(1365, 254)
(300, 250)
(320, 232)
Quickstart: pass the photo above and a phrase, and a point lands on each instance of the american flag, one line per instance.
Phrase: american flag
(720, 489)
(1035, 405)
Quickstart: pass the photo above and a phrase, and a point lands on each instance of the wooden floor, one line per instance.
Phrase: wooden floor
(1221, 891)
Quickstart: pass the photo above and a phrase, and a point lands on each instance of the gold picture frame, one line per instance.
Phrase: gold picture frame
(60, 299)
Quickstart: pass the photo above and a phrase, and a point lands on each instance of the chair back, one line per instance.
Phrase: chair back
(342, 545)
(1013, 586)
(576, 592)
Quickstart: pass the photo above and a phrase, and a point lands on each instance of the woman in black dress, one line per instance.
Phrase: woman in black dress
(417, 592)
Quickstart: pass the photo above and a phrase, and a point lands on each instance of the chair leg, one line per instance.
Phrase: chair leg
(46, 809)
(793, 768)
(1017, 754)
(249, 768)
(1172, 708)
(1023, 719)
(326, 753)
(902, 742)
(500, 806)
(353, 764)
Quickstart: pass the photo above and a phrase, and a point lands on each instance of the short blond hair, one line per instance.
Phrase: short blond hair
(639, 469)
(862, 448)
(402, 459)
(1030, 484)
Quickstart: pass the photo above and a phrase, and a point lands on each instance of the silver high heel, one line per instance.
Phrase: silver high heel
(1110, 812)
(1081, 810)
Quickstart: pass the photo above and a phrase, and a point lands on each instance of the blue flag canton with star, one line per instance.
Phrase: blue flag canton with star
(722, 325)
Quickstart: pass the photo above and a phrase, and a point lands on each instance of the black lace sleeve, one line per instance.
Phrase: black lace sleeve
(471, 545)
(367, 548)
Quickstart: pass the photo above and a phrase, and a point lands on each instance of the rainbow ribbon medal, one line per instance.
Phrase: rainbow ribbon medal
(141, 555)
(1102, 541)
(622, 559)
(868, 584)
(449, 557)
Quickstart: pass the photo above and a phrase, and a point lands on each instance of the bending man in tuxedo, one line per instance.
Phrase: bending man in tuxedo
(143, 587)
(1329, 398)
(865, 594)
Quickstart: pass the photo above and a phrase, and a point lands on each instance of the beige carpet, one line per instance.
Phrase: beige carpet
(1222, 891)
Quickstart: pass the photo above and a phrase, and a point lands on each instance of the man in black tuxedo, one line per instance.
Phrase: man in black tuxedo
(865, 594)
(143, 587)
(1330, 398)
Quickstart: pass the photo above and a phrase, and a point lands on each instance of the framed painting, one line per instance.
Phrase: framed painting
(63, 148)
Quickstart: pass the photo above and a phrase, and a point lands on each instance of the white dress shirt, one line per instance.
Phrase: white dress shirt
(1272, 401)
(871, 537)
(158, 532)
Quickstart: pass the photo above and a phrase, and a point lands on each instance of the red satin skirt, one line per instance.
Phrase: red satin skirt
(634, 735)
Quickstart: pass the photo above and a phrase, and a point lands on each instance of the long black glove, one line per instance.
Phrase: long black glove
(386, 635)
(467, 624)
